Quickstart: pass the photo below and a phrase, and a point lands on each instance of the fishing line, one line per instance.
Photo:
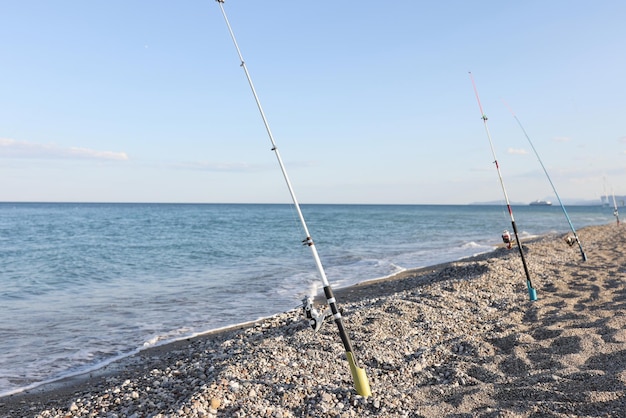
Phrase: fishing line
(532, 292)
(577, 240)
(361, 382)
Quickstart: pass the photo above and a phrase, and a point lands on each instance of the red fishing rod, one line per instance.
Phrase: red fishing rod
(532, 292)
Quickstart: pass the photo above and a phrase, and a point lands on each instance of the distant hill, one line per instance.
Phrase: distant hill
(555, 202)
(497, 202)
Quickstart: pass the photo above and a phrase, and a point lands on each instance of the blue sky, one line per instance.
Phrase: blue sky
(368, 101)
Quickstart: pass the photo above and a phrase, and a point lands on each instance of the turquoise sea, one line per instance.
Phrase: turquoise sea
(82, 284)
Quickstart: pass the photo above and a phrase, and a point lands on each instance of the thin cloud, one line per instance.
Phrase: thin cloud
(623, 139)
(220, 166)
(517, 151)
(240, 167)
(562, 139)
(11, 148)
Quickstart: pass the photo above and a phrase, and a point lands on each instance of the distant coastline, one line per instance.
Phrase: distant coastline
(569, 202)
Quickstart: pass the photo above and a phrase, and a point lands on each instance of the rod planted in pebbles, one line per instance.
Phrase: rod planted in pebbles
(359, 376)
(532, 292)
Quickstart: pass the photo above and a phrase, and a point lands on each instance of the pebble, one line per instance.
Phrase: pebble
(418, 344)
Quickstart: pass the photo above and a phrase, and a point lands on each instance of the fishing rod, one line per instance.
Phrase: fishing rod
(576, 239)
(615, 211)
(359, 377)
(532, 292)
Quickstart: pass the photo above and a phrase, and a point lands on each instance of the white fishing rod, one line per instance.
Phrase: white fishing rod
(361, 382)
(615, 211)
(577, 240)
(532, 292)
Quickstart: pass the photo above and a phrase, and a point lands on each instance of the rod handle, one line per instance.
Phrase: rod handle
(361, 383)
(532, 292)
(584, 256)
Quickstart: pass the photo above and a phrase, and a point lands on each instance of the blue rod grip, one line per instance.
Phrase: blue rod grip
(532, 292)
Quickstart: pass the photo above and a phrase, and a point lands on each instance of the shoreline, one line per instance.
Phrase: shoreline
(109, 367)
(350, 293)
(444, 324)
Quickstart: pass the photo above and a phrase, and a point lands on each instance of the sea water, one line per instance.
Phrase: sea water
(83, 284)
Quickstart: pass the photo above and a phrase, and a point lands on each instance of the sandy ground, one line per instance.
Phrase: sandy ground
(456, 340)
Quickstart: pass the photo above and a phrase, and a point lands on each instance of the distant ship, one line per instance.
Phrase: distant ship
(541, 203)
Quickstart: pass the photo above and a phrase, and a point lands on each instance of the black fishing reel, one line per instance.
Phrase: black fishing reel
(315, 318)
(570, 240)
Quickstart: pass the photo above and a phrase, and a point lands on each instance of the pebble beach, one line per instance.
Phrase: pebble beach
(459, 339)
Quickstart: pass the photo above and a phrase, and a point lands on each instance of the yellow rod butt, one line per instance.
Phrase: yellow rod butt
(361, 384)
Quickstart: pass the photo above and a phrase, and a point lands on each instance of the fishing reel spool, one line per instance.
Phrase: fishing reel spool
(570, 240)
(506, 238)
(315, 318)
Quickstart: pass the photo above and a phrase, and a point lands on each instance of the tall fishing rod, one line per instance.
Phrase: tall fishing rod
(532, 292)
(361, 382)
(615, 211)
(577, 240)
